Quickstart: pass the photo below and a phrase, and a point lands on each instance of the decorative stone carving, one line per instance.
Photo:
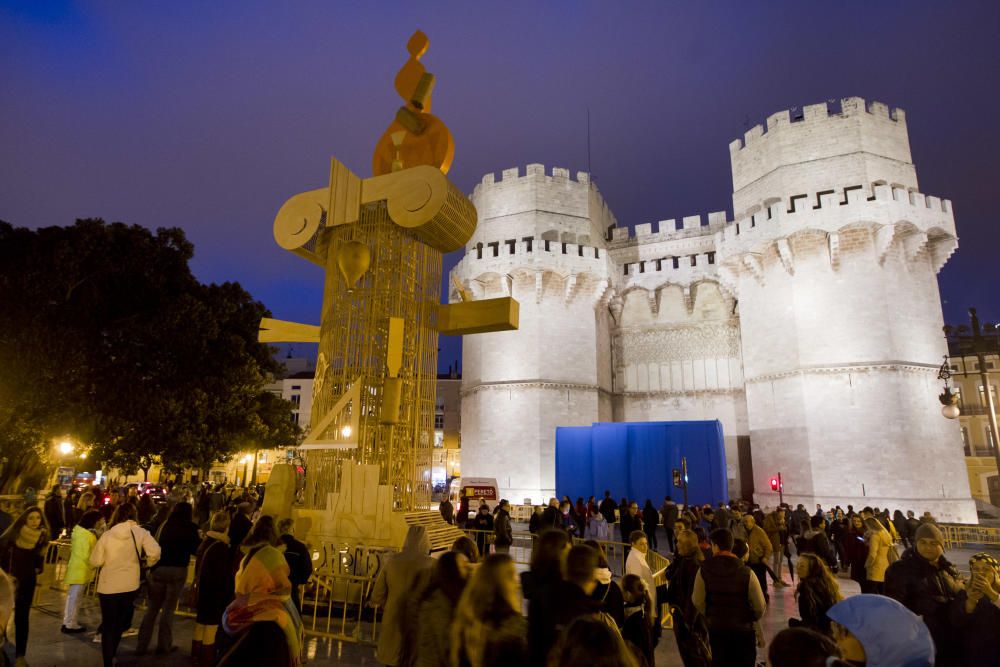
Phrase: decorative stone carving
(677, 343)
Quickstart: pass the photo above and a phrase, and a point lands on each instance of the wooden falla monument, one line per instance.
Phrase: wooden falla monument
(380, 241)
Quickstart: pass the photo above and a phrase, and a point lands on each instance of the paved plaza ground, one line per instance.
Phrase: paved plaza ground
(48, 647)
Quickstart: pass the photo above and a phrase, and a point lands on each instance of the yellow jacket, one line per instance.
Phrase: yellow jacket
(760, 545)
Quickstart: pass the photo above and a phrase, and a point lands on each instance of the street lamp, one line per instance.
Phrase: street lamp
(980, 346)
(65, 447)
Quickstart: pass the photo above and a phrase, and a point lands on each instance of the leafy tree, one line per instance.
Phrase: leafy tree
(109, 338)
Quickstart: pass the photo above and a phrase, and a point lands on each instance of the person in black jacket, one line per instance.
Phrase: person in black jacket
(690, 630)
(729, 595)
(927, 584)
(542, 586)
(483, 525)
(216, 586)
(22, 554)
(630, 522)
(178, 539)
(55, 512)
(975, 616)
(551, 516)
(650, 520)
(298, 558)
(504, 534)
(608, 507)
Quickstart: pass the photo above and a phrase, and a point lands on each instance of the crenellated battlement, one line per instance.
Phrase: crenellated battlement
(881, 207)
(813, 114)
(851, 141)
(667, 230)
(533, 173)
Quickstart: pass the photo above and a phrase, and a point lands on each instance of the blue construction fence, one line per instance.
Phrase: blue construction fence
(638, 460)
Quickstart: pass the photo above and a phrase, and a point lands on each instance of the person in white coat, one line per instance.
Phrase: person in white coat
(118, 553)
(636, 564)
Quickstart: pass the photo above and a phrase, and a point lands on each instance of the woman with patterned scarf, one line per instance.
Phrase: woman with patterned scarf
(22, 554)
(263, 604)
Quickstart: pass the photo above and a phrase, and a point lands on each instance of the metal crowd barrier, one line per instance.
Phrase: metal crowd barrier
(966, 536)
(338, 606)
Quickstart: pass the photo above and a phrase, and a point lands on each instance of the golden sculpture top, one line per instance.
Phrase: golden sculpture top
(415, 137)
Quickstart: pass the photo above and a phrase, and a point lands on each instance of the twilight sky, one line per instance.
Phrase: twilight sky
(208, 115)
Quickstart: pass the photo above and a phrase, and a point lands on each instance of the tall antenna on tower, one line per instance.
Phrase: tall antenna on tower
(589, 168)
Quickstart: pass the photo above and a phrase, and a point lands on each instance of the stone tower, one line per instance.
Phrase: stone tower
(834, 258)
(540, 239)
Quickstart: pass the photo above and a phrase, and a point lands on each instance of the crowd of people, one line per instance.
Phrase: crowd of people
(471, 607)
(726, 561)
(248, 569)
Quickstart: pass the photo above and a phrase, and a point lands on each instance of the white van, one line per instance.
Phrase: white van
(475, 488)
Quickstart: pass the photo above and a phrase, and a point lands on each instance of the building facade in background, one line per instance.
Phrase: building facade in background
(974, 421)
(809, 324)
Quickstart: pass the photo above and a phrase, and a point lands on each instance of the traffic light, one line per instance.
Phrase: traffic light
(774, 484)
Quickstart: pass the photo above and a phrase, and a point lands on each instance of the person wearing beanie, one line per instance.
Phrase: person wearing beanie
(927, 584)
(876, 631)
(975, 613)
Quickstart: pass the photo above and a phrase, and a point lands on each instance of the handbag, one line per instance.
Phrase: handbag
(143, 562)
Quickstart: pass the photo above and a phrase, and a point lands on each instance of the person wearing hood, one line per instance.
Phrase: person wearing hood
(78, 570)
(213, 572)
(877, 631)
(729, 595)
(178, 539)
(395, 582)
(262, 619)
(22, 554)
(503, 533)
(690, 630)
(927, 584)
(975, 614)
(118, 553)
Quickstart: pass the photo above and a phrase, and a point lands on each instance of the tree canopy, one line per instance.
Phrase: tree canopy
(107, 336)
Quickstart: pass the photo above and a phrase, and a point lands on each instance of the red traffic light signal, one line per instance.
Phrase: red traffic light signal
(774, 484)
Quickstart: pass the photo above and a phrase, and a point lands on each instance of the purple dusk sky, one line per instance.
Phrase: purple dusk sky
(208, 115)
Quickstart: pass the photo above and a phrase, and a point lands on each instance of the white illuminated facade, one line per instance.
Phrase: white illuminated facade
(809, 324)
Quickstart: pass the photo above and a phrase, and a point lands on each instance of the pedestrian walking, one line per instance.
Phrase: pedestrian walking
(22, 553)
(608, 507)
(668, 514)
(483, 525)
(629, 522)
(78, 570)
(120, 553)
(447, 510)
(729, 595)
(179, 540)
(775, 529)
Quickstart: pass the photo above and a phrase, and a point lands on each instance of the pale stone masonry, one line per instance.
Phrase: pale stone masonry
(810, 325)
